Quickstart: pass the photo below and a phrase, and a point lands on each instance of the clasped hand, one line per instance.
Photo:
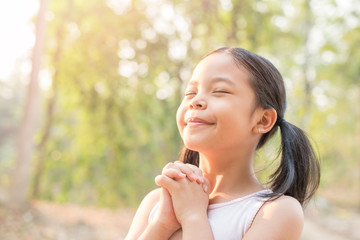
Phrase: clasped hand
(184, 197)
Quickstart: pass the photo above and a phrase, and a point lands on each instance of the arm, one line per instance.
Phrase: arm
(197, 227)
(140, 220)
(281, 219)
(162, 227)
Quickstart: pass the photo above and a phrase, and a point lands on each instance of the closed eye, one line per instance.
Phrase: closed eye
(190, 93)
(221, 91)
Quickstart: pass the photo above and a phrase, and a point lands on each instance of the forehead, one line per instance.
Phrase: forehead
(219, 66)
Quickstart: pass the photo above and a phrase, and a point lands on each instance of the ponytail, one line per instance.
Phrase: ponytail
(298, 174)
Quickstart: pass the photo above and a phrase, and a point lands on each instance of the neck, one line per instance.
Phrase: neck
(231, 174)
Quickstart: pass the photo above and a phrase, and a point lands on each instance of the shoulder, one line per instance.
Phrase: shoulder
(284, 208)
(152, 197)
(282, 218)
(148, 203)
(141, 217)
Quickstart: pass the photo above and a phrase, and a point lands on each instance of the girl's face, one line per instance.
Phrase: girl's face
(218, 109)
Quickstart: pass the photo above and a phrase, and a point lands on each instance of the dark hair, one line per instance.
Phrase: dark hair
(298, 174)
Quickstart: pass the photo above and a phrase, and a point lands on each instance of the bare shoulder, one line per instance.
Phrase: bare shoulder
(153, 196)
(282, 218)
(284, 208)
(141, 217)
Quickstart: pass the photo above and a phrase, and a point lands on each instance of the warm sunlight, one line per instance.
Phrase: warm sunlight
(17, 36)
(95, 104)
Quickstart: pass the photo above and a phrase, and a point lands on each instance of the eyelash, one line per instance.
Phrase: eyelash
(190, 93)
(221, 91)
(194, 93)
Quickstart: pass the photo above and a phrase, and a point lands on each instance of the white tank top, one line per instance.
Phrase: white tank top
(232, 219)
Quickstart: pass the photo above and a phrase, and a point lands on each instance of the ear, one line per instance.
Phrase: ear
(267, 119)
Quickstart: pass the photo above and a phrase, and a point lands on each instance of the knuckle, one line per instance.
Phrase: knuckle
(189, 166)
(169, 172)
(166, 171)
(182, 167)
(169, 165)
(158, 179)
(194, 168)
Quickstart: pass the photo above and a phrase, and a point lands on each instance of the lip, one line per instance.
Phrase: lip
(197, 121)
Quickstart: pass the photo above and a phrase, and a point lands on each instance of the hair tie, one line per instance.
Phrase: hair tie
(281, 122)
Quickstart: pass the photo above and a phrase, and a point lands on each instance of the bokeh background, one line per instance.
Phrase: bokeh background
(89, 91)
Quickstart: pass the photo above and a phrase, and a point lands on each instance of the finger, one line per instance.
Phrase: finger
(180, 168)
(165, 195)
(166, 182)
(206, 185)
(173, 173)
(157, 180)
(170, 165)
(186, 170)
(197, 171)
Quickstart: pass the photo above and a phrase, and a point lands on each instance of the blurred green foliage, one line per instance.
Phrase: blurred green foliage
(118, 69)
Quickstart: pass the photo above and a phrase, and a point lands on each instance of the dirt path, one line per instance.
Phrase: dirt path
(50, 221)
(331, 224)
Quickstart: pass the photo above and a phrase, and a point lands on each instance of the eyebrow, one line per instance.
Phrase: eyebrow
(222, 79)
(213, 80)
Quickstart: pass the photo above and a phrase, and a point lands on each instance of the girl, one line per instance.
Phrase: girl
(234, 102)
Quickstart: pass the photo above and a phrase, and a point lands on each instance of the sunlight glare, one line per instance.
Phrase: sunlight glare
(17, 34)
(119, 6)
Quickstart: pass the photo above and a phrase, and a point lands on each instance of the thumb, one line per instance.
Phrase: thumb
(165, 182)
(164, 195)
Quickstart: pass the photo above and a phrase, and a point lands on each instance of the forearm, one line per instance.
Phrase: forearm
(197, 227)
(156, 232)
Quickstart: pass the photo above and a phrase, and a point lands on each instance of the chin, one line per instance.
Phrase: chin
(197, 147)
(192, 149)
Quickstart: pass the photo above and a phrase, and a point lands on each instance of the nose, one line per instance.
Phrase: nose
(198, 103)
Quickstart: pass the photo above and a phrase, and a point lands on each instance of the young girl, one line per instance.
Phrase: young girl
(234, 102)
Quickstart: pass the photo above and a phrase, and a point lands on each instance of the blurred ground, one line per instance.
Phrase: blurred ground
(50, 221)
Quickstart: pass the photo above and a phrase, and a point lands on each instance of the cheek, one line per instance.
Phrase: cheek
(180, 114)
(233, 121)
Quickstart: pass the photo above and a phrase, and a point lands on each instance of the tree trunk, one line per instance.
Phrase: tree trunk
(25, 142)
(307, 84)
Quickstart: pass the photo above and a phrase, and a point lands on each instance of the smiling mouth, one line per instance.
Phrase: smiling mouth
(197, 122)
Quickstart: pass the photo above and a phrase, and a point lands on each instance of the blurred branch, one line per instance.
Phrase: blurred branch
(305, 68)
(38, 171)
